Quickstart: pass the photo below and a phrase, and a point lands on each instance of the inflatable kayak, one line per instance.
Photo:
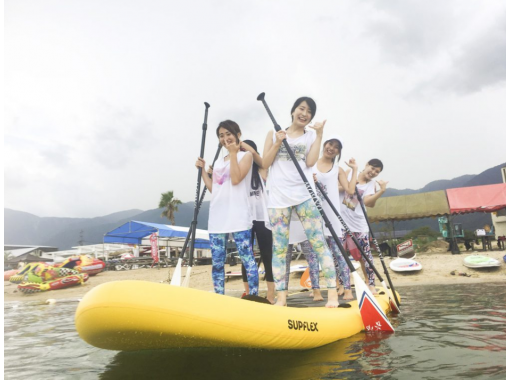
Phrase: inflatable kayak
(40, 277)
(138, 315)
(479, 261)
(9, 273)
(405, 265)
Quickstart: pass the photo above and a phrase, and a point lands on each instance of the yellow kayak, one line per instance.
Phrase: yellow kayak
(138, 315)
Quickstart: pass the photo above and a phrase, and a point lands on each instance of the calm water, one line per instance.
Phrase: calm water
(453, 332)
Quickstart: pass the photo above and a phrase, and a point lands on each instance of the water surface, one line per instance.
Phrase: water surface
(444, 332)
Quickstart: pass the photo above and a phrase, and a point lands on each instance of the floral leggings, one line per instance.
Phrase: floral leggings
(342, 270)
(364, 242)
(312, 224)
(219, 254)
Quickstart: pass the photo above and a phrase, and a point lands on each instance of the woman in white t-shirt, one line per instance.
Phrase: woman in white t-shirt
(257, 196)
(229, 210)
(352, 214)
(331, 177)
(287, 191)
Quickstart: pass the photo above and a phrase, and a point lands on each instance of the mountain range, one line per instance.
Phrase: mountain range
(22, 228)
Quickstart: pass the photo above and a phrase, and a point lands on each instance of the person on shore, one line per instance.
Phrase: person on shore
(332, 177)
(230, 210)
(352, 214)
(257, 197)
(287, 192)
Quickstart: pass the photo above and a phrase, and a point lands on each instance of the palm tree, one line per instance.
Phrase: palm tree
(170, 204)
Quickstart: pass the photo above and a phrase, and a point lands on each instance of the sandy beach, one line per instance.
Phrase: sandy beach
(437, 268)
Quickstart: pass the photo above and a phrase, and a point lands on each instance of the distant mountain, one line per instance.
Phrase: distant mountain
(94, 233)
(488, 177)
(25, 228)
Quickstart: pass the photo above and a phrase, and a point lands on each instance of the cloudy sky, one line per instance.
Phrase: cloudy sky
(104, 99)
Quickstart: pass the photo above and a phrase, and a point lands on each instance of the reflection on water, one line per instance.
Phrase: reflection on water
(453, 332)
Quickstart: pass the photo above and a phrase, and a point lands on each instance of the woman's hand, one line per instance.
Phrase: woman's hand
(210, 170)
(246, 148)
(382, 184)
(200, 163)
(233, 147)
(319, 127)
(280, 136)
(352, 164)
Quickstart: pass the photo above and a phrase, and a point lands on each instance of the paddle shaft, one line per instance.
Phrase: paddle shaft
(188, 236)
(344, 225)
(362, 205)
(358, 245)
(308, 186)
(199, 182)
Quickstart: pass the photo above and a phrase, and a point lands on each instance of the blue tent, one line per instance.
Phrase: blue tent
(135, 232)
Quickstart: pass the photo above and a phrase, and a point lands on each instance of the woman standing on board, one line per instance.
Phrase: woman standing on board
(229, 211)
(351, 211)
(257, 197)
(332, 176)
(287, 192)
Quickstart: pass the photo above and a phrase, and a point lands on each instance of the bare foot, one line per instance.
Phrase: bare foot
(341, 290)
(348, 295)
(372, 289)
(317, 296)
(281, 299)
(332, 298)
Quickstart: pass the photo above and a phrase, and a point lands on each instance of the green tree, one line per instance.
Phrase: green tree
(170, 204)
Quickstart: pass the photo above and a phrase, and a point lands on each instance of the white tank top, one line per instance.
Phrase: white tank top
(258, 201)
(285, 185)
(329, 181)
(230, 209)
(350, 208)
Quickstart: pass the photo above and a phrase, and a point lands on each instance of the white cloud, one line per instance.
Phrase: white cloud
(105, 102)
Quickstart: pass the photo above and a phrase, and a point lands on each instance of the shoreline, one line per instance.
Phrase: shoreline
(436, 271)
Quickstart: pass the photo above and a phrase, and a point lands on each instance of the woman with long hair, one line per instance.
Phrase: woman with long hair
(332, 177)
(229, 210)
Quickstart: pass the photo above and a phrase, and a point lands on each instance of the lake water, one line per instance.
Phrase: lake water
(444, 332)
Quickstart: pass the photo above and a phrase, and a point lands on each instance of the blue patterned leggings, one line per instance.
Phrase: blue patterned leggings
(219, 254)
(312, 224)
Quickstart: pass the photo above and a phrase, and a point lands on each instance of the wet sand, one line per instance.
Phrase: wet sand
(436, 270)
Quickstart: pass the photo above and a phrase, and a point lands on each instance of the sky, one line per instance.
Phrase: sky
(104, 100)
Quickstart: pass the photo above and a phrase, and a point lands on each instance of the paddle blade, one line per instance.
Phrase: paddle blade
(176, 277)
(185, 283)
(373, 317)
(305, 281)
(393, 305)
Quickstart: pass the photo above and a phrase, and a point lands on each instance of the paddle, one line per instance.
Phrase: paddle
(393, 305)
(377, 246)
(176, 279)
(371, 314)
(305, 281)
